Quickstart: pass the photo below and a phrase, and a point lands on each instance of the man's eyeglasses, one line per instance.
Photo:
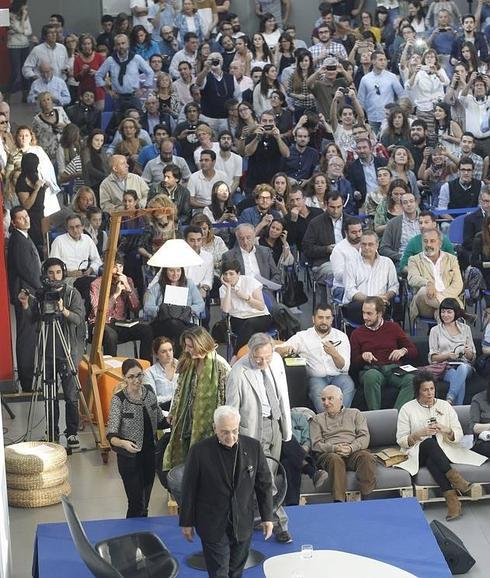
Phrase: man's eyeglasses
(376, 88)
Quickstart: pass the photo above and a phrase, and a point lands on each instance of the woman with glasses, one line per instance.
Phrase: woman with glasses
(134, 418)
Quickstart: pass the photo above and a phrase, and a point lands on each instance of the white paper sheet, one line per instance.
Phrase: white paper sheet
(51, 203)
(175, 295)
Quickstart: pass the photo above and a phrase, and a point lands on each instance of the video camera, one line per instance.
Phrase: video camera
(49, 295)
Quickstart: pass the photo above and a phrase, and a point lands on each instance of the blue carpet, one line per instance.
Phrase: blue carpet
(394, 531)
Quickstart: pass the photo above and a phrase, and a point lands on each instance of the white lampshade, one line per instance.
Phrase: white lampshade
(175, 253)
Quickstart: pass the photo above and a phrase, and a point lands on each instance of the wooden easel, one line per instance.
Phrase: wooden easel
(95, 362)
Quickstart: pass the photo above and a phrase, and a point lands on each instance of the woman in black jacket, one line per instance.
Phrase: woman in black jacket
(95, 164)
(131, 430)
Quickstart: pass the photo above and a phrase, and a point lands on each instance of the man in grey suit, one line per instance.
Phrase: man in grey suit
(400, 230)
(254, 259)
(258, 389)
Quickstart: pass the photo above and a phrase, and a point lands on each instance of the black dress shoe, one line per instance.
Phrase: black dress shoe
(284, 537)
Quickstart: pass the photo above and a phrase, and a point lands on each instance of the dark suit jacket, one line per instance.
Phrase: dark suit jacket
(165, 119)
(319, 235)
(267, 266)
(471, 226)
(209, 497)
(23, 265)
(355, 174)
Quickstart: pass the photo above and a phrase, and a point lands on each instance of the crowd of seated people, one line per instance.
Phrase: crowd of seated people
(358, 157)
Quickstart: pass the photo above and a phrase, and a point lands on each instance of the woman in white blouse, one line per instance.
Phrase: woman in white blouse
(427, 85)
(242, 299)
(162, 375)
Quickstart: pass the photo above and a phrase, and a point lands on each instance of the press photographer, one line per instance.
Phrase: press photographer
(57, 301)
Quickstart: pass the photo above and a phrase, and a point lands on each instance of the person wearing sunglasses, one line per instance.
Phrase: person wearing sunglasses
(134, 418)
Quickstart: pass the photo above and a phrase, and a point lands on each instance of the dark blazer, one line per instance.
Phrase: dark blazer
(209, 498)
(267, 266)
(355, 174)
(318, 236)
(165, 119)
(23, 265)
(471, 226)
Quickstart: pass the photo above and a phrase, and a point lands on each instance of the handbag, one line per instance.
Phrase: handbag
(293, 294)
(437, 369)
(168, 311)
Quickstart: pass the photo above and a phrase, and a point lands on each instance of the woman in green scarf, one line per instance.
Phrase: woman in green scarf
(200, 390)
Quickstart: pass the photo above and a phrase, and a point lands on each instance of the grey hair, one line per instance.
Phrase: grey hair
(225, 411)
(437, 231)
(259, 340)
(243, 226)
(336, 389)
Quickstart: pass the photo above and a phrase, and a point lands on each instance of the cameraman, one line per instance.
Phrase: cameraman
(71, 315)
(265, 150)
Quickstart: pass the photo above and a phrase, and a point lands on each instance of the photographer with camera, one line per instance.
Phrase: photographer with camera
(343, 121)
(265, 150)
(475, 101)
(24, 272)
(57, 299)
(216, 87)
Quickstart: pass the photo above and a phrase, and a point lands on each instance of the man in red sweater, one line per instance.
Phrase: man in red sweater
(377, 348)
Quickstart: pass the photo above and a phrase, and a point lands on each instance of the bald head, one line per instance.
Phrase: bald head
(119, 166)
(46, 70)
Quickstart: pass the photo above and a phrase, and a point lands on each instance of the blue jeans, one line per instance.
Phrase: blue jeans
(457, 377)
(318, 384)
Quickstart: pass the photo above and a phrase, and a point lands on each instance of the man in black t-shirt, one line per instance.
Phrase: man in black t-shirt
(265, 150)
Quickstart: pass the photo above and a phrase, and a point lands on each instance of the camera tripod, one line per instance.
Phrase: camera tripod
(46, 375)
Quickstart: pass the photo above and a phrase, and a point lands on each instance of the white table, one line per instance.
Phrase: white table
(330, 564)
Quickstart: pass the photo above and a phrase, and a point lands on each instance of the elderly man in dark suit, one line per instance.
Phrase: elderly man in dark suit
(24, 273)
(222, 475)
(254, 259)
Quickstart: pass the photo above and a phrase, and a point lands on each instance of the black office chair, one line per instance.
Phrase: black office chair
(174, 484)
(137, 555)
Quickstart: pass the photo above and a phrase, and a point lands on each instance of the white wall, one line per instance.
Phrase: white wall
(5, 553)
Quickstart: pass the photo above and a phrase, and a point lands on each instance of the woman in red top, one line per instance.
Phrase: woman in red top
(86, 64)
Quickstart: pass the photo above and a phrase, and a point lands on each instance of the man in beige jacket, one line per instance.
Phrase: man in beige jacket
(433, 275)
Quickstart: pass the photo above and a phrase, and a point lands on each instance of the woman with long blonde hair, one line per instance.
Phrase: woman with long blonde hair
(200, 390)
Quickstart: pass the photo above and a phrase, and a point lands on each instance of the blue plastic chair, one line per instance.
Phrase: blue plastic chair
(456, 230)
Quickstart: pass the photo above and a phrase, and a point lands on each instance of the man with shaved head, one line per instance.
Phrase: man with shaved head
(113, 187)
(339, 438)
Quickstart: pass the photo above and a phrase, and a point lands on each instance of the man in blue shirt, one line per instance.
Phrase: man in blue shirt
(124, 68)
(302, 159)
(262, 214)
(443, 36)
(378, 88)
(151, 151)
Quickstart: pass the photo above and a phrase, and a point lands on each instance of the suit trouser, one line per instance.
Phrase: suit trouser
(362, 462)
(373, 379)
(25, 347)
(226, 558)
(271, 443)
